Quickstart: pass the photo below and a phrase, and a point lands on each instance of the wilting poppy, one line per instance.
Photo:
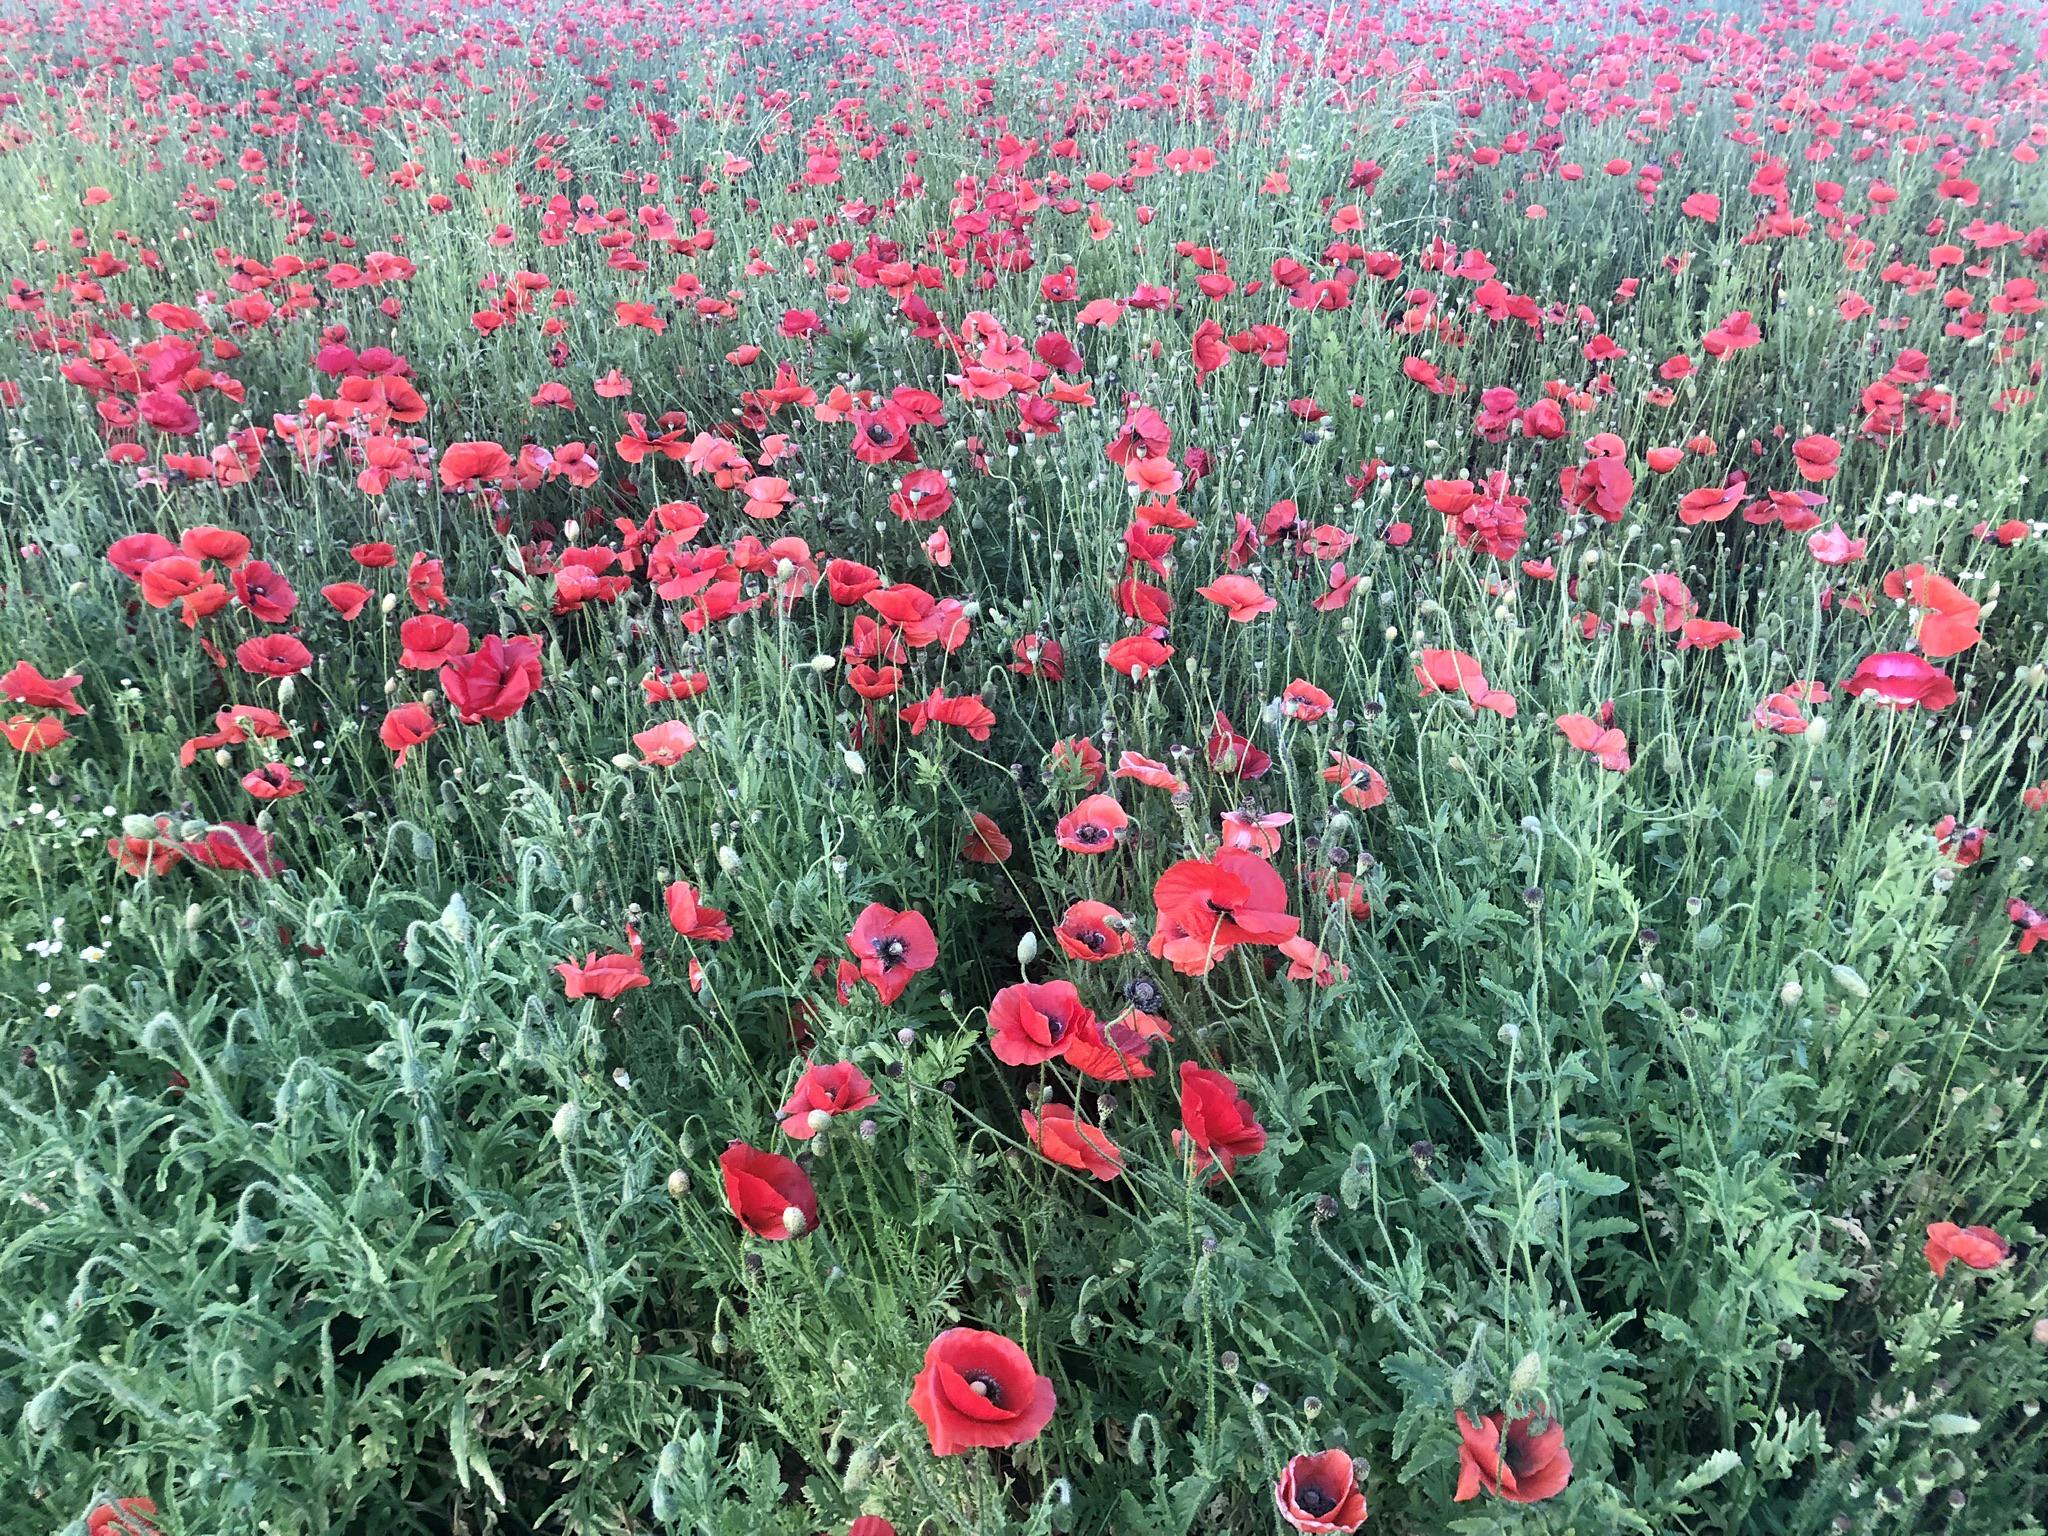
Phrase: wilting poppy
(1518, 1461)
(1060, 1137)
(979, 1389)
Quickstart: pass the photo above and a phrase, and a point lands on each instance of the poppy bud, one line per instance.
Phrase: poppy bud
(1528, 1371)
(1850, 980)
(728, 859)
(855, 763)
(679, 1183)
(793, 1221)
(565, 1121)
(819, 1121)
(1790, 993)
(624, 760)
(1027, 949)
(387, 602)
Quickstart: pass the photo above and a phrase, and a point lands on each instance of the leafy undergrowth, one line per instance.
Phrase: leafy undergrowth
(994, 767)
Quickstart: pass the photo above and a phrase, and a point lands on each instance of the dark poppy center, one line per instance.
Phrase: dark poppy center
(1094, 938)
(1091, 833)
(877, 433)
(1314, 1501)
(890, 951)
(990, 1387)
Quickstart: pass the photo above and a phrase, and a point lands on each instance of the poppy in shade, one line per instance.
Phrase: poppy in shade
(979, 1389)
(985, 842)
(1976, 1247)
(1521, 1462)
(772, 1197)
(1320, 1493)
(1215, 1120)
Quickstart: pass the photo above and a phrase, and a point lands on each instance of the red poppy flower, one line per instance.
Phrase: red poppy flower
(1899, 680)
(134, 553)
(123, 1517)
(1039, 657)
(234, 847)
(1319, 1493)
(1093, 826)
(985, 842)
(836, 1088)
(273, 656)
(346, 598)
(1208, 907)
(31, 734)
(602, 976)
(495, 681)
(1518, 1461)
(1947, 615)
(1241, 598)
(1094, 930)
(666, 744)
(1215, 1121)
(891, 947)
(138, 856)
(273, 781)
(1976, 1247)
(1077, 760)
(1232, 753)
(1060, 1137)
(429, 642)
(24, 684)
(1154, 775)
(772, 1197)
(1608, 747)
(1137, 656)
(979, 1389)
(1455, 672)
(405, 727)
(263, 590)
(691, 918)
(1359, 783)
(182, 580)
(1031, 1021)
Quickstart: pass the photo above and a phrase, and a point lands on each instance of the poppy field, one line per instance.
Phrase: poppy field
(1215, 766)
